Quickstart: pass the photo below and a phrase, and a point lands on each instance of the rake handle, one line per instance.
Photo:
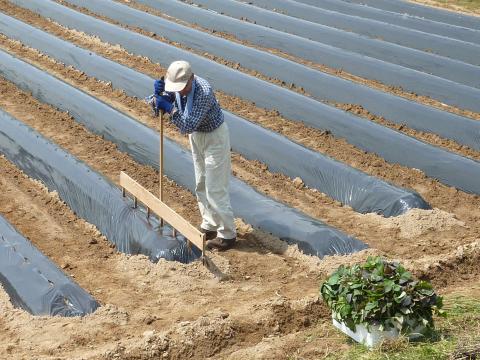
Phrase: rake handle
(161, 157)
(160, 170)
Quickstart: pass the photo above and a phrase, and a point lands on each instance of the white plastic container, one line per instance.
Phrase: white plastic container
(375, 336)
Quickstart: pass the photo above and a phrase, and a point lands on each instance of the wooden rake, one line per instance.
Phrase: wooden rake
(164, 212)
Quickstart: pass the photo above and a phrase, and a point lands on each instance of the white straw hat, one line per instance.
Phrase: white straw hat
(178, 74)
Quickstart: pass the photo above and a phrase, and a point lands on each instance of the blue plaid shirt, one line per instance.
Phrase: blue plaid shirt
(206, 114)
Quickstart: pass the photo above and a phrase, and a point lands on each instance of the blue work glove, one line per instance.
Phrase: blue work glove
(159, 87)
(165, 103)
(163, 100)
(159, 90)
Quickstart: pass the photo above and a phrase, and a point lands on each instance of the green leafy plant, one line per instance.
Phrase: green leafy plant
(381, 293)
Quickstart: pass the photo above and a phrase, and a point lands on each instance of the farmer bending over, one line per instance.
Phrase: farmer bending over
(193, 108)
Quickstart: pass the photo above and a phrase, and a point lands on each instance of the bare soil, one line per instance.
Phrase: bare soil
(150, 308)
(467, 7)
(265, 302)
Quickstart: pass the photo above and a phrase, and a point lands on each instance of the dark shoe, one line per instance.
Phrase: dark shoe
(220, 244)
(211, 234)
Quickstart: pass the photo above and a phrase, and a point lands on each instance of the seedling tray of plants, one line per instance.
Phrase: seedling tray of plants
(380, 300)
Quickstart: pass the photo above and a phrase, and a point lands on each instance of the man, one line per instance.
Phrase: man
(193, 108)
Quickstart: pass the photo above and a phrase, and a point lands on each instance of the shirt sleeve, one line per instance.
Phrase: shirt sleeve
(200, 107)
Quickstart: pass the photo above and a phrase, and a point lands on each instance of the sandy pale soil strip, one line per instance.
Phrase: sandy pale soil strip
(449, 5)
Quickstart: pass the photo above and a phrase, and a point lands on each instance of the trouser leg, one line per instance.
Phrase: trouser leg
(217, 180)
(197, 143)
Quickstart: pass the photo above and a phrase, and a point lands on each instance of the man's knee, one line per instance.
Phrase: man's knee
(218, 195)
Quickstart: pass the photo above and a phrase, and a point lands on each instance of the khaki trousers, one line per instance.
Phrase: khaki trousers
(211, 159)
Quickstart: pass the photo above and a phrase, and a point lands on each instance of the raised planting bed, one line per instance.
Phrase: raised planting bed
(33, 282)
(421, 11)
(309, 10)
(260, 92)
(91, 196)
(457, 70)
(362, 192)
(395, 147)
(142, 143)
(333, 23)
(319, 85)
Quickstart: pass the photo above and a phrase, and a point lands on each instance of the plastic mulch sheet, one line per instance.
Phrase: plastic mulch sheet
(239, 84)
(34, 283)
(142, 143)
(89, 195)
(343, 183)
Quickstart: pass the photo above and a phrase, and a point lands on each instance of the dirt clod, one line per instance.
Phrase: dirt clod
(298, 183)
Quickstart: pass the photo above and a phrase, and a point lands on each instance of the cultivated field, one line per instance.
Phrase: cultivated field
(355, 131)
